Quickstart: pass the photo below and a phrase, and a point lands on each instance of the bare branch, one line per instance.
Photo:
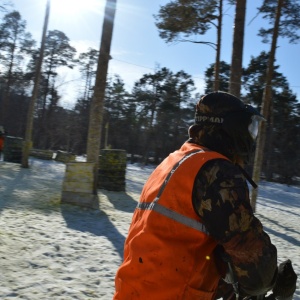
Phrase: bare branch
(213, 45)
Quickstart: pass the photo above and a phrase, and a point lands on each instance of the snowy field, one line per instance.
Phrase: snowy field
(54, 251)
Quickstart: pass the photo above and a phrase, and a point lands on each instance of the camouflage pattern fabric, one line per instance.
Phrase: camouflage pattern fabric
(221, 199)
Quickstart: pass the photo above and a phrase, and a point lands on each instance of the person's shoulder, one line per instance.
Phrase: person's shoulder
(221, 170)
(221, 164)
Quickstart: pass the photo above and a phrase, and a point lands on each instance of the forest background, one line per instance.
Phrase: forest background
(150, 120)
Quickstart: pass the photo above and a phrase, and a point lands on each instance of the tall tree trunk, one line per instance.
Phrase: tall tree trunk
(96, 110)
(28, 133)
(87, 84)
(269, 148)
(265, 109)
(237, 49)
(218, 50)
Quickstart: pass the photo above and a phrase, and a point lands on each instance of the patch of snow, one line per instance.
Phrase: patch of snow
(57, 251)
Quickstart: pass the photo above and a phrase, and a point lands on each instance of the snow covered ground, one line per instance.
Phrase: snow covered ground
(57, 251)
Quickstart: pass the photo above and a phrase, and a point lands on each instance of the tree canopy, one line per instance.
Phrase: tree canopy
(152, 119)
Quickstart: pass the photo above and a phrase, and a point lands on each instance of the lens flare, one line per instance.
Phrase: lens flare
(75, 8)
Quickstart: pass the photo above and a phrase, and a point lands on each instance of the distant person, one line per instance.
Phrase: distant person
(193, 234)
(2, 137)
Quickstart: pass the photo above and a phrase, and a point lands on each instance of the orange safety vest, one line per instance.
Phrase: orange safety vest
(168, 254)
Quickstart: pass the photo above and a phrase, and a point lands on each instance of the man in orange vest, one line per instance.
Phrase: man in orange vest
(193, 234)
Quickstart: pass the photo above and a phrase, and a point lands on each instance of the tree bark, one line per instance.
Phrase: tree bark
(237, 49)
(265, 109)
(97, 103)
(29, 122)
(218, 50)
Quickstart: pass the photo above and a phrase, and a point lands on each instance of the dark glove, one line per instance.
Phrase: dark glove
(285, 284)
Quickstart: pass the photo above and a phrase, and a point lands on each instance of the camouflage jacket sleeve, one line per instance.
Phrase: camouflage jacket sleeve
(221, 199)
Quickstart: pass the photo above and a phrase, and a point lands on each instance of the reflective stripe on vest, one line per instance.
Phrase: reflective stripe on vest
(168, 212)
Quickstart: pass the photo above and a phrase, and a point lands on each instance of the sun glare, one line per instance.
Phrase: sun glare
(72, 8)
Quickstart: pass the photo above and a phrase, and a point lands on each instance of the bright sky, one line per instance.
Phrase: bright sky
(137, 48)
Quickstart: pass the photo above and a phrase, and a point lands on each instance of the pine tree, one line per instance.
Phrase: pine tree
(88, 65)
(186, 20)
(15, 43)
(161, 101)
(58, 53)
(284, 14)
